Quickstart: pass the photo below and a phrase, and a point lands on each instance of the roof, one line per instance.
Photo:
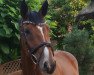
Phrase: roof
(87, 12)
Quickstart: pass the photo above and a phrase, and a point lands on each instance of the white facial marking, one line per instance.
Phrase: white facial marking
(41, 30)
(46, 54)
(46, 50)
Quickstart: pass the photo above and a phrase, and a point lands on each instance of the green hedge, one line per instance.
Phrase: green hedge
(9, 30)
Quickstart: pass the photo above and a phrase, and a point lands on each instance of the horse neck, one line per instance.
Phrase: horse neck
(28, 67)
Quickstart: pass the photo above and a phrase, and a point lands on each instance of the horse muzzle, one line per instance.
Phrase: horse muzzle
(49, 68)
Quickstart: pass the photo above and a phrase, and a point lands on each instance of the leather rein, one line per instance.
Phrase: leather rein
(34, 50)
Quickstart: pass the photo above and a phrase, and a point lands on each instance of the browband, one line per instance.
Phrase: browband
(30, 22)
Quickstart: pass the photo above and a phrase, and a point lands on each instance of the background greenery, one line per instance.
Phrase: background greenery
(9, 30)
(79, 42)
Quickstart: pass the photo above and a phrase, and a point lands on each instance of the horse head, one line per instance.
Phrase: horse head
(35, 33)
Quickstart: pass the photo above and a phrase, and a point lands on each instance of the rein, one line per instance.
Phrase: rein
(33, 50)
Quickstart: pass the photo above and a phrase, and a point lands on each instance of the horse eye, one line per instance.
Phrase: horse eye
(27, 31)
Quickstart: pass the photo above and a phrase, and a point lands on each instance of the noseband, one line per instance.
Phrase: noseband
(34, 50)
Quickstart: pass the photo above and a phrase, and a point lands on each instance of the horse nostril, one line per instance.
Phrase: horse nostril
(45, 66)
(49, 68)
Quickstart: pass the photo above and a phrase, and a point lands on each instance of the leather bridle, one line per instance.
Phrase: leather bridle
(32, 51)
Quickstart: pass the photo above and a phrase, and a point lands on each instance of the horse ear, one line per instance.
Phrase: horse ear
(44, 8)
(23, 9)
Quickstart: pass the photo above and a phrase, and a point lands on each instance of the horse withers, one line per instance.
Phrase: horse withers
(37, 55)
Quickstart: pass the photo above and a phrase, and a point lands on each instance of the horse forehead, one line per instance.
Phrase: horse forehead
(41, 30)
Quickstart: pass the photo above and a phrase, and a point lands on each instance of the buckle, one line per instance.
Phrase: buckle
(34, 59)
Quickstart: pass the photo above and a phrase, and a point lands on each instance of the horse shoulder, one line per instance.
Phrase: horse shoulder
(72, 59)
(69, 57)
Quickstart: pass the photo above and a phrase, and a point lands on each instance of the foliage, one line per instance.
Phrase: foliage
(60, 14)
(9, 28)
(9, 34)
(63, 13)
(89, 26)
(78, 43)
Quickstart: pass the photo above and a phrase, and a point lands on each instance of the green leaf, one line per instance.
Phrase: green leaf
(11, 14)
(8, 30)
(48, 17)
(93, 27)
(4, 48)
(16, 25)
(3, 15)
(53, 24)
(12, 9)
(1, 25)
(1, 1)
(18, 36)
(2, 32)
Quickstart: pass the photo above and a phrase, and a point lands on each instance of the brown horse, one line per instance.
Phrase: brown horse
(37, 54)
